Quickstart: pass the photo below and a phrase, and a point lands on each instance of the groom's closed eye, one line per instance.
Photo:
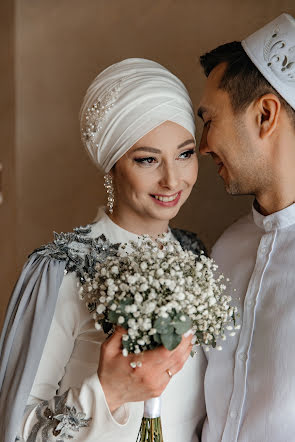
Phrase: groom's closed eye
(201, 112)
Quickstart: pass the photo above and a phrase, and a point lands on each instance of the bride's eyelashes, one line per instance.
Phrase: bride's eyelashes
(146, 161)
(187, 154)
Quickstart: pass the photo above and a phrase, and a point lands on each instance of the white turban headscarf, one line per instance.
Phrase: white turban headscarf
(126, 101)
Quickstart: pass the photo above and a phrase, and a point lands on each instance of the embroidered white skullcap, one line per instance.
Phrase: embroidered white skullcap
(272, 50)
(126, 101)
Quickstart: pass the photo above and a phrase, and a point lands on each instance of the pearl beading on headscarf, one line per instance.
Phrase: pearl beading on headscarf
(97, 113)
(126, 101)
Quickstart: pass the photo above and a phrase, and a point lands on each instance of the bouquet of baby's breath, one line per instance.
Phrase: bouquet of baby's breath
(157, 291)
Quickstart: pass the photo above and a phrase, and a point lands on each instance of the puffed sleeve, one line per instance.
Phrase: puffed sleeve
(80, 412)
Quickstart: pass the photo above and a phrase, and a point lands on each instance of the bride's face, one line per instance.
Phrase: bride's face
(155, 177)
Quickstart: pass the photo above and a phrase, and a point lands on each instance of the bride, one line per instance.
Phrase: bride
(59, 376)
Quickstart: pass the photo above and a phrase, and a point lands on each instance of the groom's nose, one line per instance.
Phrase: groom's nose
(203, 147)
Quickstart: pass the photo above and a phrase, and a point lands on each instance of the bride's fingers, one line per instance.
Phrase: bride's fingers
(163, 357)
(179, 362)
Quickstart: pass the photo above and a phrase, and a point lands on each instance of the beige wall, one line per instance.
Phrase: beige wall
(60, 46)
(8, 218)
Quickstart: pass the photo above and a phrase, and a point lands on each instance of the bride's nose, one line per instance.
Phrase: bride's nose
(169, 177)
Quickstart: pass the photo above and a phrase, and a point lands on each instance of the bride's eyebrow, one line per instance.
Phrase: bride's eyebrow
(185, 143)
(147, 149)
(155, 150)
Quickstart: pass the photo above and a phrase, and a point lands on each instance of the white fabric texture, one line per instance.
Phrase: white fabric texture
(250, 384)
(272, 50)
(69, 363)
(125, 102)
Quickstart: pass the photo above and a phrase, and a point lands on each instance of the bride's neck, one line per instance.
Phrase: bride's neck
(139, 225)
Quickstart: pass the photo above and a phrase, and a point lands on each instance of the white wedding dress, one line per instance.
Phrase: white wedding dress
(67, 398)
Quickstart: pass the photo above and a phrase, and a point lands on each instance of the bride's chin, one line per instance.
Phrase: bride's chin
(166, 214)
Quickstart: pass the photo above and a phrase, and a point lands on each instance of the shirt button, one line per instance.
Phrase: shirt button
(242, 357)
(250, 303)
(233, 414)
(268, 225)
(264, 250)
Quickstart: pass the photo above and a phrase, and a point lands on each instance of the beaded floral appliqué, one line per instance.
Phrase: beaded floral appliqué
(189, 241)
(60, 421)
(80, 252)
(279, 53)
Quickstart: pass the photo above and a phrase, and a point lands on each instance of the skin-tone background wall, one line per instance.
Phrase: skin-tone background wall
(50, 52)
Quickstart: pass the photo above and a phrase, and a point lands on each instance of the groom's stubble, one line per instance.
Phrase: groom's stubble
(231, 138)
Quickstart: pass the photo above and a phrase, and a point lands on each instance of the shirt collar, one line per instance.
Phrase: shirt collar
(278, 220)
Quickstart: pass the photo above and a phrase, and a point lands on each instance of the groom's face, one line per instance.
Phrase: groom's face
(228, 136)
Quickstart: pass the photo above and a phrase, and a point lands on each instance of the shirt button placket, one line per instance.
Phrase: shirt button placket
(250, 303)
(243, 357)
(233, 414)
(231, 430)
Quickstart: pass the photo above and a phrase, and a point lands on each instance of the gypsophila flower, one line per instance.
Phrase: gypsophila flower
(157, 292)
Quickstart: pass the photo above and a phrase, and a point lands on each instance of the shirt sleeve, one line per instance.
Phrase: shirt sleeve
(80, 413)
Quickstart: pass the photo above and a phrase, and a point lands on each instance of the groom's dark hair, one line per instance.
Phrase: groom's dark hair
(241, 79)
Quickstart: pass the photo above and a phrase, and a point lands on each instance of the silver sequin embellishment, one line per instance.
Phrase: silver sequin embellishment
(58, 422)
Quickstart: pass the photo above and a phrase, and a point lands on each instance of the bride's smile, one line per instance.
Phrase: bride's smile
(154, 179)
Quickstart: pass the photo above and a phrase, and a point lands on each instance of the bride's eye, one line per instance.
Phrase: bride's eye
(145, 160)
(187, 154)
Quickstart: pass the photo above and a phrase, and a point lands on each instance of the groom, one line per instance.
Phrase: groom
(249, 130)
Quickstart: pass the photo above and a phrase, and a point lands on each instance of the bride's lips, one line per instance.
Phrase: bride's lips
(166, 200)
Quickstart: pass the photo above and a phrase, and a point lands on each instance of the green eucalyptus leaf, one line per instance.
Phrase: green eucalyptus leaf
(126, 344)
(170, 341)
(124, 302)
(113, 317)
(182, 326)
(157, 338)
(163, 325)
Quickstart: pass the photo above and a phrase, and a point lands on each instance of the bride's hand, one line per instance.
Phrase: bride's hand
(121, 383)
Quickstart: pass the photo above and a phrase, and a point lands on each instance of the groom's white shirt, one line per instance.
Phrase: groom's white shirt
(250, 384)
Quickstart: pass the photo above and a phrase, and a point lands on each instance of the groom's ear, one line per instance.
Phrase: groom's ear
(268, 109)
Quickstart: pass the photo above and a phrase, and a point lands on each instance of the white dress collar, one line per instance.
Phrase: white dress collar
(114, 233)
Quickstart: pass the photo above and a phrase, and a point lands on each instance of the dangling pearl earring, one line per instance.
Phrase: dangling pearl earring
(108, 184)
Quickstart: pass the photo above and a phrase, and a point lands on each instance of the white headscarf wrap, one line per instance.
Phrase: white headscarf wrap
(272, 50)
(126, 101)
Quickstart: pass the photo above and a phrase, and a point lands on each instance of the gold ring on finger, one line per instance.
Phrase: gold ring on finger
(169, 373)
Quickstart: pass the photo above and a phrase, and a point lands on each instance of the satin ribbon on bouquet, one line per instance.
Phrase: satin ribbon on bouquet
(152, 408)
(151, 428)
